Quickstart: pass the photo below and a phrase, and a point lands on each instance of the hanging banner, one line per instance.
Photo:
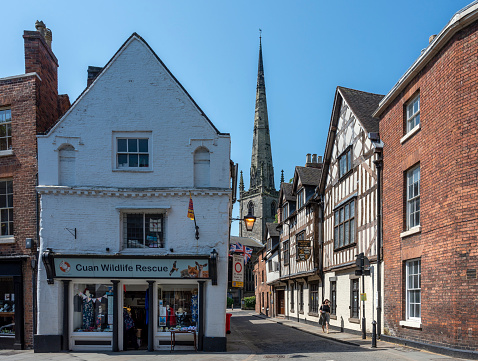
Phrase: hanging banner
(237, 270)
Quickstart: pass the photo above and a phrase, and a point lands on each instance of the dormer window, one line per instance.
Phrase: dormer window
(300, 199)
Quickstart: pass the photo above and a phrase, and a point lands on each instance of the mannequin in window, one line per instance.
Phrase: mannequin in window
(88, 310)
(170, 317)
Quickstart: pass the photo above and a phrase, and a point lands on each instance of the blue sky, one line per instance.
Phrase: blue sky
(309, 48)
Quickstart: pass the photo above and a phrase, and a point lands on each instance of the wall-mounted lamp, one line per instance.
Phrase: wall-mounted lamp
(249, 221)
(213, 267)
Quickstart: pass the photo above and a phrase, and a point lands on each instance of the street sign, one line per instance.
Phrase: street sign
(363, 265)
(237, 270)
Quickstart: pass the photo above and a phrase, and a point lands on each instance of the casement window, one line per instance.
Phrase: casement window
(333, 297)
(354, 298)
(413, 197)
(413, 113)
(6, 207)
(413, 284)
(5, 129)
(301, 297)
(285, 252)
(292, 297)
(300, 199)
(345, 162)
(344, 225)
(314, 297)
(285, 211)
(132, 153)
(143, 230)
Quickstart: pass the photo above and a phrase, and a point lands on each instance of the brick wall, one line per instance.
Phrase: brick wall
(446, 147)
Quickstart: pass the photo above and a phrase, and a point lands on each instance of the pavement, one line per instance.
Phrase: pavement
(334, 335)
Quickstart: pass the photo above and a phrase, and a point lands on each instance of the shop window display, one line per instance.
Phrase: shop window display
(7, 307)
(93, 308)
(177, 308)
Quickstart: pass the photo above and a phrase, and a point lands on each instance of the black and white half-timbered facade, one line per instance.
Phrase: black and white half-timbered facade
(348, 189)
(299, 282)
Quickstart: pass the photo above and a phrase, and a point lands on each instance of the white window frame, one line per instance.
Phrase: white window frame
(6, 121)
(132, 135)
(413, 286)
(413, 113)
(9, 210)
(145, 211)
(413, 197)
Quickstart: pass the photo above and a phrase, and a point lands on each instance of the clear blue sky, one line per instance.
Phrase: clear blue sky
(309, 48)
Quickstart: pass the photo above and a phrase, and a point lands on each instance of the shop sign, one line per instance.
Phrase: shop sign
(303, 250)
(237, 270)
(72, 267)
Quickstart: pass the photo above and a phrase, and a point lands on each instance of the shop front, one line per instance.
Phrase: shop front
(125, 303)
(11, 305)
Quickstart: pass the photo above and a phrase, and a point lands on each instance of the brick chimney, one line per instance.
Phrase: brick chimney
(93, 72)
(39, 58)
(313, 161)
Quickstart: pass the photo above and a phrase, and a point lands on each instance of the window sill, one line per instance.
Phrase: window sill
(5, 153)
(411, 231)
(333, 317)
(410, 134)
(133, 170)
(301, 312)
(292, 310)
(7, 240)
(345, 247)
(354, 320)
(314, 314)
(411, 324)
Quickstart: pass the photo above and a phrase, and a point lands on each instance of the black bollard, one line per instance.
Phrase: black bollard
(374, 334)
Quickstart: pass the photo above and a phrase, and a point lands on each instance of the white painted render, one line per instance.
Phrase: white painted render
(134, 96)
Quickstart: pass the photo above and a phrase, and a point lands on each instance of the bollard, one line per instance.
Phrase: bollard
(374, 334)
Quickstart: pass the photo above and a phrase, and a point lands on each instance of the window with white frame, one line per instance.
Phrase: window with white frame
(413, 270)
(6, 207)
(132, 153)
(345, 162)
(5, 129)
(413, 113)
(143, 230)
(413, 197)
(344, 225)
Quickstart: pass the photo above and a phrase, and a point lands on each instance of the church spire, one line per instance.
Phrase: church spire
(262, 170)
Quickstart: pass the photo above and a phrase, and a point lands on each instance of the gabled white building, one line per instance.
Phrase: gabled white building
(115, 178)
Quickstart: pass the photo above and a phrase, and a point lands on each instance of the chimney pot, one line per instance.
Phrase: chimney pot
(307, 158)
(314, 158)
(44, 31)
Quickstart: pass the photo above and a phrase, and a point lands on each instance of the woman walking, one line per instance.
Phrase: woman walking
(325, 315)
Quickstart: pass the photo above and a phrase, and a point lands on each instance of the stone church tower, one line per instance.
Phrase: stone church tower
(261, 198)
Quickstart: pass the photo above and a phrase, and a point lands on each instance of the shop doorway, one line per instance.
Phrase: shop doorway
(135, 328)
(280, 302)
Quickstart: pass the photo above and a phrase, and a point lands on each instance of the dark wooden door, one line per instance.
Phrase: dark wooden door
(280, 303)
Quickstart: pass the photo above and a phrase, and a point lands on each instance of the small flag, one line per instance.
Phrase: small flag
(191, 208)
(239, 248)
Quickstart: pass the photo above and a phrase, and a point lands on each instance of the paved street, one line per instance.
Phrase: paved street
(254, 338)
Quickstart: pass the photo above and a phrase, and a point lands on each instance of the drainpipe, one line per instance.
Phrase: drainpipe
(379, 165)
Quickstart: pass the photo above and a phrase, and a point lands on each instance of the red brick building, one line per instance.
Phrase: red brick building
(29, 105)
(428, 123)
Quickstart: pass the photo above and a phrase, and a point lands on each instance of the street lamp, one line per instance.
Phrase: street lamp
(249, 221)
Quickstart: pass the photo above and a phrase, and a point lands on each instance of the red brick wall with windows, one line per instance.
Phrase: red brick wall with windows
(446, 147)
(35, 107)
(262, 288)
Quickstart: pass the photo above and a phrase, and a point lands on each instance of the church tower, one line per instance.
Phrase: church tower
(261, 198)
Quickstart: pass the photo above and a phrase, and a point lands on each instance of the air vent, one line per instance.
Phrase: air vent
(471, 274)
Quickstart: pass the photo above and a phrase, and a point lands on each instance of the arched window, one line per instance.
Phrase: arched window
(273, 209)
(201, 167)
(250, 208)
(66, 166)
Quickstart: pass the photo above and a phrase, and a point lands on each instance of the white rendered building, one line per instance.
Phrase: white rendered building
(116, 175)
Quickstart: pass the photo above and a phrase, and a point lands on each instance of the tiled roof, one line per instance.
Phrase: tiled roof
(309, 176)
(363, 105)
(272, 229)
(286, 189)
